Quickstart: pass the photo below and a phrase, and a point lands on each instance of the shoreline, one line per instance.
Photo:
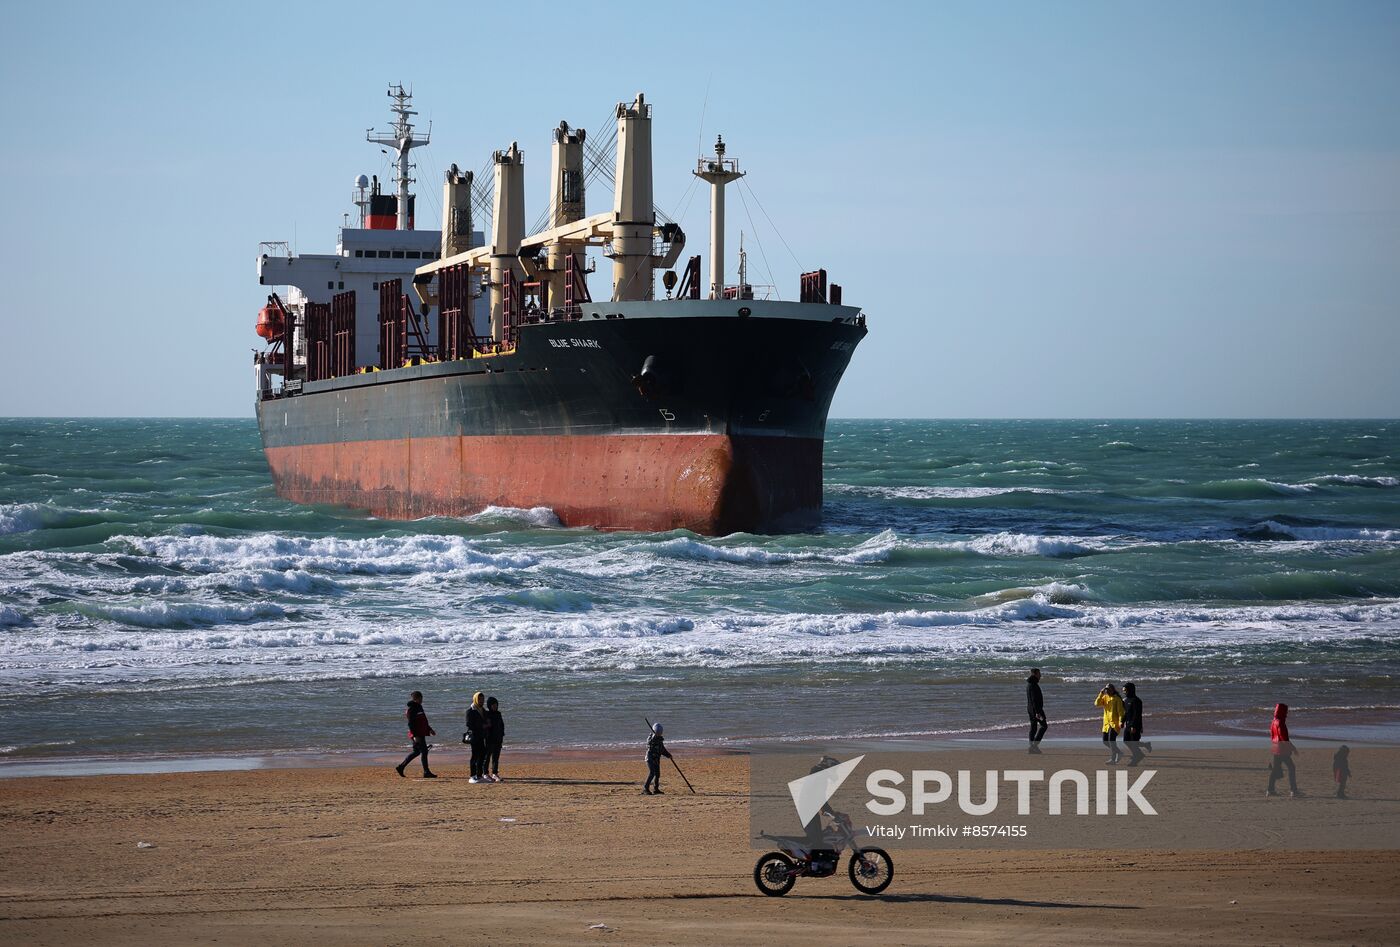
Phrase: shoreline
(1327, 729)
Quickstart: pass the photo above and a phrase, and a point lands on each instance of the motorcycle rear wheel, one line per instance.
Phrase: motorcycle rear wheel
(871, 870)
(774, 874)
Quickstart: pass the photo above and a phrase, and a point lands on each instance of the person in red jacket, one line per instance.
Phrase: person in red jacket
(418, 731)
(1283, 751)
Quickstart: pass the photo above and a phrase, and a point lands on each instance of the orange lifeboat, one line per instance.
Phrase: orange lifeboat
(270, 324)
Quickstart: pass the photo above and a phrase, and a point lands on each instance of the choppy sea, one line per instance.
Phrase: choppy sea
(157, 598)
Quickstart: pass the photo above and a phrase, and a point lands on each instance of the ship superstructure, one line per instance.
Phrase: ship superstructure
(488, 375)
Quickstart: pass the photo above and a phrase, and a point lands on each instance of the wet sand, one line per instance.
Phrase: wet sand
(359, 856)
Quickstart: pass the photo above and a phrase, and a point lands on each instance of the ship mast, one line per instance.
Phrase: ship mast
(717, 171)
(401, 139)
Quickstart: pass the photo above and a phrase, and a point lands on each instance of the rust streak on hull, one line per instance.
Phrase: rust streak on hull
(709, 483)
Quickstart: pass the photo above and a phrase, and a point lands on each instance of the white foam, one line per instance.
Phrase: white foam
(1022, 544)
(1356, 480)
(877, 548)
(538, 517)
(181, 614)
(1055, 593)
(1047, 621)
(380, 555)
(1287, 488)
(937, 493)
(24, 517)
(882, 547)
(683, 547)
(1331, 533)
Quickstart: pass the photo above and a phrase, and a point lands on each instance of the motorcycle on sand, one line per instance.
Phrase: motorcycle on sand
(871, 869)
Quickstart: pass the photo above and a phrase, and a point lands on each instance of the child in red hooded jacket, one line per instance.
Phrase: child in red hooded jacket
(1283, 752)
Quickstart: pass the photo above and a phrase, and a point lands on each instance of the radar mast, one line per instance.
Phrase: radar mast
(401, 139)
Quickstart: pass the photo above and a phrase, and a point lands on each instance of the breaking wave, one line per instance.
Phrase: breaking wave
(939, 493)
(381, 555)
(1064, 622)
(181, 614)
(1272, 529)
(510, 517)
(1355, 480)
(26, 517)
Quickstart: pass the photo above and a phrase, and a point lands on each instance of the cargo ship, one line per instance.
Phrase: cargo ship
(423, 373)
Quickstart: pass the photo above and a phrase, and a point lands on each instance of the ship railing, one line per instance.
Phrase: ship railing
(760, 291)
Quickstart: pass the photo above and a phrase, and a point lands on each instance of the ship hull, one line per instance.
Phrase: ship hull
(709, 483)
(724, 434)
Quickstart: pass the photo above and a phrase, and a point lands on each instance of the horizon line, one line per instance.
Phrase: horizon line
(1007, 417)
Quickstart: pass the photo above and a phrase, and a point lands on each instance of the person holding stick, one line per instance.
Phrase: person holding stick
(656, 748)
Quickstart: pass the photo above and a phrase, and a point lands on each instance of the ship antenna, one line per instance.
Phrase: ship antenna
(743, 266)
(401, 138)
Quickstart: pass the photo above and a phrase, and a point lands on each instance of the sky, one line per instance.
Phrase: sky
(1046, 209)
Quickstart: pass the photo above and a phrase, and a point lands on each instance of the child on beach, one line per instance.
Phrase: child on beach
(1341, 771)
(1112, 706)
(495, 739)
(656, 748)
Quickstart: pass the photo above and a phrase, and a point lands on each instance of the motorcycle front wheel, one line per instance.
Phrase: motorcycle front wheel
(774, 874)
(871, 869)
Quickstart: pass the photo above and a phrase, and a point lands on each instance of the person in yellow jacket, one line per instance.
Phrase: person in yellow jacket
(1112, 705)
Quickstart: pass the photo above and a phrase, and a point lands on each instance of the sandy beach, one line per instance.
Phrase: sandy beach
(359, 856)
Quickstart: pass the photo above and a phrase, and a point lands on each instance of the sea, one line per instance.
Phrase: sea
(159, 602)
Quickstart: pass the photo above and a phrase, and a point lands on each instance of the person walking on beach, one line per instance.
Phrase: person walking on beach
(1283, 751)
(418, 731)
(1341, 770)
(476, 736)
(495, 739)
(1112, 706)
(1132, 723)
(656, 748)
(1035, 706)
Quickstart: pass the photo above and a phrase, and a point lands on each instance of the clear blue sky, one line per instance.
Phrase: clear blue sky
(1046, 209)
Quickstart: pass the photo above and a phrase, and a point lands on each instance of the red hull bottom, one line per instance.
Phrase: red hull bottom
(709, 483)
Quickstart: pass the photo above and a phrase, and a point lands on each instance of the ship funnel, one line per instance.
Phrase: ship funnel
(507, 230)
(634, 213)
(456, 212)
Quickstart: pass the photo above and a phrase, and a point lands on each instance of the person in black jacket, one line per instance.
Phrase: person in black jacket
(495, 739)
(476, 736)
(1132, 723)
(656, 748)
(1035, 707)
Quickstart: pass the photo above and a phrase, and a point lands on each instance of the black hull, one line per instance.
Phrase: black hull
(713, 424)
